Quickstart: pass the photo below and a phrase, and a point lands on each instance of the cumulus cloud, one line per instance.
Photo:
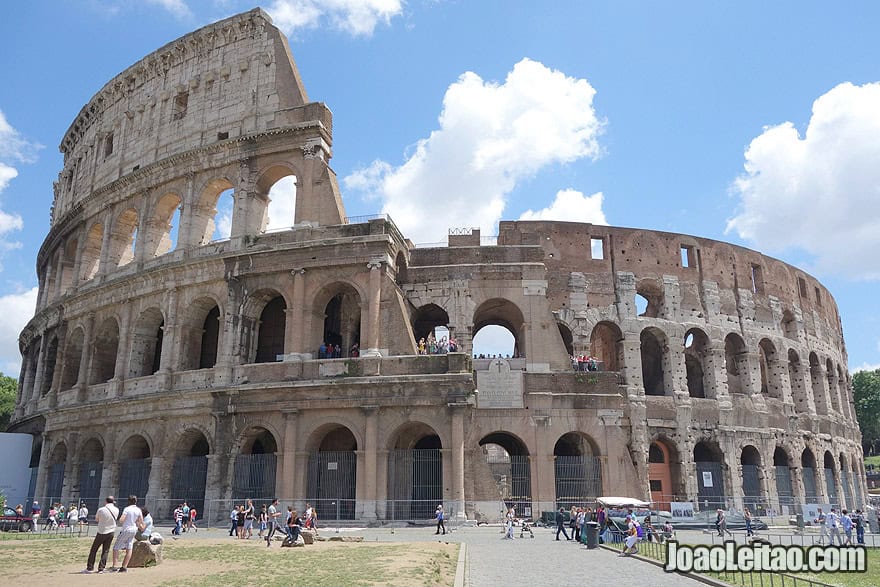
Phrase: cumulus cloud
(13, 149)
(571, 206)
(178, 8)
(818, 192)
(357, 17)
(491, 136)
(15, 311)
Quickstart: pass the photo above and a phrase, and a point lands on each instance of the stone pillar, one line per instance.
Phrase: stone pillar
(45, 293)
(109, 473)
(38, 377)
(632, 365)
(289, 470)
(305, 209)
(154, 488)
(797, 488)
(821, 487)
(115, 386)
(85, 359)
(145, 224)
(295, 336)
(42, 472)
(373, 306)
(105, 245)
(189, 205)
(457, 453)
(371, 434)
(171, 342)
(716, 376)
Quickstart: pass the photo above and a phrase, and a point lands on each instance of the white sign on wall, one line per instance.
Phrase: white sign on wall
(707, 478)
(682, 511)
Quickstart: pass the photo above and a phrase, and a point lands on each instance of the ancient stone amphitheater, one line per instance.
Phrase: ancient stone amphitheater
(174, 364)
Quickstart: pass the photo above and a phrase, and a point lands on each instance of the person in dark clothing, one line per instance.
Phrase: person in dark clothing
(560, 524)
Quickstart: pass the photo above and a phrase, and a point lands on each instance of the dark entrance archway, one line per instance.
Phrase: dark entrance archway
(782, 466)
(254, 469)
(190, 471)
(508, 460)
(753, 495)
(415, 474)
(578, 470)
(91, 471)
(708, 463)
(808, 469)
(134, 468)
(332, 475)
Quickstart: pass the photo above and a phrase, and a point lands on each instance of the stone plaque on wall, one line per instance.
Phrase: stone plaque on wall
(499, 387)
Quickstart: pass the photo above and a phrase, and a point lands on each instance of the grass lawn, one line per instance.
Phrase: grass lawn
(210, 562)
(871, 578)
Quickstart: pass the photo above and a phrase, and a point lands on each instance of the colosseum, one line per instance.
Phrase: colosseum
(169, 362)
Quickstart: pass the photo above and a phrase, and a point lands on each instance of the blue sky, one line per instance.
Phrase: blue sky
(756, 123)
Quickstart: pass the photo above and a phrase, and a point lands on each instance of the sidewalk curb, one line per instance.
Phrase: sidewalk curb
(694, 576)
(461, 566)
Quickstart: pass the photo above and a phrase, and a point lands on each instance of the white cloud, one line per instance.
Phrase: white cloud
(491, 136)
(282, 203)
(178, 8)
(819, 192)
(15, 311)
(14, 147)
(357, 17)
(865, 367)
(571, 206)
(7, 174)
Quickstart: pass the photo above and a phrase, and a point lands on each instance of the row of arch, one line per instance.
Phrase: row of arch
(797, 480)
(182, 215)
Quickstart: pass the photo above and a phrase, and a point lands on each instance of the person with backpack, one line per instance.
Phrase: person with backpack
(438, 515)
(635, 533)
(859, 523)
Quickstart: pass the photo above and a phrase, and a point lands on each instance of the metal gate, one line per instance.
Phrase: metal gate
(134, 479)
(55, 484)
(90, 474)
(710, 485)
(752, 497)
(415, 483)
(578, 480)
(847, 488)
(188, 478)
(783, 487)
(332, 481)
(254, 477)
(810, 494)
(513, 477)
(830, 488)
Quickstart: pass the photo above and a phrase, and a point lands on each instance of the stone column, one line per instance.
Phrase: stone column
(821, 487)
(716, 376)
(85, 359)
(632, 365)
(295, 342)
(42, 472)
(188, 206)
(373, 306)
(305, 209)
(109, 472)
(289, 470)
(371, 417)
(797, 488)
(45, 293)
(115, 386)
(38, 377)
(154, 487)
(171, 342)
(105, 245)
(457, 453)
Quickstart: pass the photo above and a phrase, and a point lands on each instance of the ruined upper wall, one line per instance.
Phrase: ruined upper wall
(223, 81)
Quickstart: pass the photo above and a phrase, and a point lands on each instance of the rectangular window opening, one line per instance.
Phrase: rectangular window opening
(597, 248)
(802, 287)
(108, 145)
(757, 279)
(818, 297)
(222, 136)
(688, 260)
(178, 111)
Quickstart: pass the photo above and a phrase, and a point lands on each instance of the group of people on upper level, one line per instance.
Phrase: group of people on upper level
(328, 350)
(432, 346)
(584, 362)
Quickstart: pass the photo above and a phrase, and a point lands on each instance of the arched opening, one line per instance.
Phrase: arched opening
(784, 490)
(279, 187)
(753, 494)
(55, 479)
(104, 352)
(708, 461)
(796, 380)
(606, 345)
(72, 358)
(789, 325)
(200, 334)
(163, 230)
(189, 473)
(508, 461)
(91, 471)
(831, 376)
(830, 479)
(663, 467)
(270, 331)
(91, 254)
(735, 363)
(66, 265)
(771, 385)
(696, 343)
(400, 267)
(332, 473)
(49, 365)
(654, 359)
(134, 467)
(843, 392)
(501, 313)
(857, 486)
(649, 299)
(846, 482)
(340, 320)
(415, 473)
(567, 340)
(820, 398)
(146, 343)
(427, 319)
(578, 470)
(254, 469)
(808, 469)
(122, 239)
(211, 216)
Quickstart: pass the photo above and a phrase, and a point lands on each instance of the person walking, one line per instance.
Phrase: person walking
(438, 515)
(748, 517)
(721, 523)
(273, 521)
(823, 529)
(832, 524)
(859, 522)
(560, 524)
(106, 519)
(131, 520)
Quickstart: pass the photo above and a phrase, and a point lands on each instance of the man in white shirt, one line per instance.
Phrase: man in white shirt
(131, 520)
(832, 523)
(83, 515)
(106, 518)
